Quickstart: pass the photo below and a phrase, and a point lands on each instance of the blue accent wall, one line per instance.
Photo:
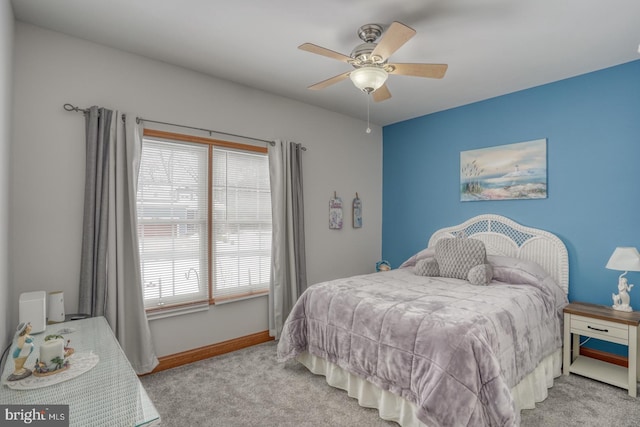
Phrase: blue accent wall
(592, 126)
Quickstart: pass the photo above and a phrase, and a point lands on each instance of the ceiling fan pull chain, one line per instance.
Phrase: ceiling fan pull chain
(368, 128)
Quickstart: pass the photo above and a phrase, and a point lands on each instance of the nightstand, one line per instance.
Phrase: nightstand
(603, 323)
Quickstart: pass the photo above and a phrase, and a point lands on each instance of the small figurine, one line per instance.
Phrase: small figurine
(383, 266)
(621, 299)
(24, 347)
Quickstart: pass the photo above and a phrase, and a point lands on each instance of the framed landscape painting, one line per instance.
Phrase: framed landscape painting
(512, 171)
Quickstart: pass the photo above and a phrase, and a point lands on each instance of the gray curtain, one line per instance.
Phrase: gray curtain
(110, 283)
(94, 233)
(288, 261)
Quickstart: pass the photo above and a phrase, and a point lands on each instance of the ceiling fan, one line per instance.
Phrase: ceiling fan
(370, 60)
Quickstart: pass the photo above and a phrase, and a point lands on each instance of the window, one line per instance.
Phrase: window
(204, 220)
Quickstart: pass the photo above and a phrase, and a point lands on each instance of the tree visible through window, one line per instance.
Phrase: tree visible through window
(204, 220)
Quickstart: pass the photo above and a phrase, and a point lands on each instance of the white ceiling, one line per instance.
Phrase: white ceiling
(493, 47)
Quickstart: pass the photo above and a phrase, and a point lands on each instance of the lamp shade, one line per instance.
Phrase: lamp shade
(368, 79)
(624, 259)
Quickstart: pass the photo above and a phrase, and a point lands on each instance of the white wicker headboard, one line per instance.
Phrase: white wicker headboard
(502, 236)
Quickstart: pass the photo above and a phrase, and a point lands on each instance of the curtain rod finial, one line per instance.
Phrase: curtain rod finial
(71, 107)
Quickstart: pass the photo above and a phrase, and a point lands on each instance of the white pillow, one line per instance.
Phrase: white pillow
(423, 254)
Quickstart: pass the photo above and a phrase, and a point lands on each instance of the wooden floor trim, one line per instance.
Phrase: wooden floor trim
(604, 356)
(201, 353)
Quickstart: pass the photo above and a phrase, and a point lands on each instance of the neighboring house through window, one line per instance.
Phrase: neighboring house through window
(204, 220)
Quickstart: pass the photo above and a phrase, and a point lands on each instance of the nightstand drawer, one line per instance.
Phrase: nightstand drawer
(602, 329)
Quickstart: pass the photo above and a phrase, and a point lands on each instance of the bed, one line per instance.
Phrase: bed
(439, 351)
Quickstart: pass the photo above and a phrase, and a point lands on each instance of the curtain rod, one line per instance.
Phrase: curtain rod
(70, 107)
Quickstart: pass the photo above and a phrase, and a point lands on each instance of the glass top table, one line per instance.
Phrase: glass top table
(109, 394)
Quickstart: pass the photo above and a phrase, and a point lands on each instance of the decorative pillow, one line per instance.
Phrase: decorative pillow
(423, 254)
(515, 270)
(456, 256)
(480, 274)
(427, 267)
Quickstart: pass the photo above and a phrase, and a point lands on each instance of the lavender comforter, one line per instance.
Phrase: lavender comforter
(453, 349)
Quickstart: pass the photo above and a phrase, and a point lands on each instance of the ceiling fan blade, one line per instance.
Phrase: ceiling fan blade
(396, 35)
(310, 47)
(434, 71)
(330, 81)
(381, 93)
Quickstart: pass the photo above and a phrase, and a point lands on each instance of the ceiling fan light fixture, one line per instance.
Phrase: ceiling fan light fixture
(368, 79)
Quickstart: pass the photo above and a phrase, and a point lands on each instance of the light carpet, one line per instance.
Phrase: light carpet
(250, 388)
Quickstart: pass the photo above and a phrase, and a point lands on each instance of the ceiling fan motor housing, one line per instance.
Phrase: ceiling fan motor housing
(362, 52)
(369, 33)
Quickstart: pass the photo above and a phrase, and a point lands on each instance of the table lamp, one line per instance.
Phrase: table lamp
(623, 259)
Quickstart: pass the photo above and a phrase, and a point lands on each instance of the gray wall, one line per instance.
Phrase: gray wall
(48, 167)
(6, 67)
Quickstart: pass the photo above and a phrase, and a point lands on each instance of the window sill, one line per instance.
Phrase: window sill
(232, 299)
(204, 306)
(177, 311)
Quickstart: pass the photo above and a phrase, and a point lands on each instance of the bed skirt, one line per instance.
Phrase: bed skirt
(533, 388)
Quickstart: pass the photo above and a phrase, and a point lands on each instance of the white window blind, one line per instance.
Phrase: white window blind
(172, 222)
(241, 230)
(204, 221)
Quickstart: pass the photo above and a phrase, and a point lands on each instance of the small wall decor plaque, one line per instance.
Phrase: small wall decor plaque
(357, 212)
(335, 212)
